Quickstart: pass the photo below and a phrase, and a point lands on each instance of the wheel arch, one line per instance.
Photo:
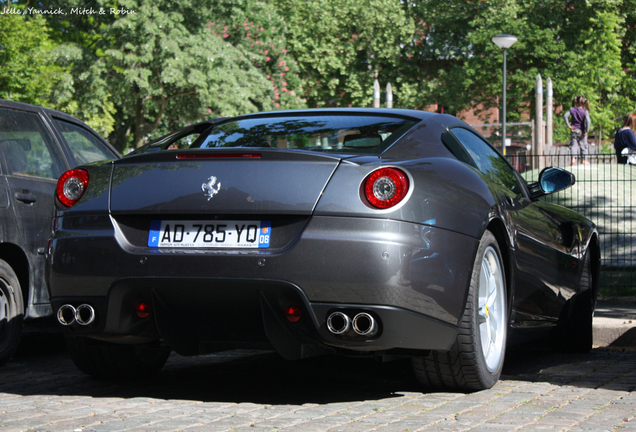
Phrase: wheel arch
(498, 229)
(17, 259)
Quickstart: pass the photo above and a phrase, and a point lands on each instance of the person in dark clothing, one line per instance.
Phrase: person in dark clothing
(579, 126)
(625, 138)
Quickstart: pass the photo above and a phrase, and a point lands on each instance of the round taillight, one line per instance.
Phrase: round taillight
(386, 187)
(71, 186)
(143, 310)
(293, 314)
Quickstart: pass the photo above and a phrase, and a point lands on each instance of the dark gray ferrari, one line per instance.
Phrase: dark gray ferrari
(368, 232)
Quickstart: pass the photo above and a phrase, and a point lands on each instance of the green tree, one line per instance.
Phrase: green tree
(156, 67)
(258, 30)
(600, 74)
(575, 43)
(340, 46)
(628, 60)
(134, 76)
(167, 67)
(26, 74)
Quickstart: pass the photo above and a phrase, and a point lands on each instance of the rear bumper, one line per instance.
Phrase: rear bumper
(193, 319)
(411, 278)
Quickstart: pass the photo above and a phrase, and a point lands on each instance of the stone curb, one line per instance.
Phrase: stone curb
(615, 323)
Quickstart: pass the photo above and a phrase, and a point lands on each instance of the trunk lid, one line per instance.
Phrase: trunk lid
(259, 182)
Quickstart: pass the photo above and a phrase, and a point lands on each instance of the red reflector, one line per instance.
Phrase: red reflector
(143, 310)
(293, 314)
(219, 156)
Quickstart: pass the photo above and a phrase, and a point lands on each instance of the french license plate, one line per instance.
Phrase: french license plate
(209, 234)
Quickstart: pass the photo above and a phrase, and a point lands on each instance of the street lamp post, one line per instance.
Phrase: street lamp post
(504, 41)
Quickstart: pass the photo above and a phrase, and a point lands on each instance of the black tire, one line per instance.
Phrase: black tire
(113, 361)
(471, 365)
(576, 334)
(11, 312)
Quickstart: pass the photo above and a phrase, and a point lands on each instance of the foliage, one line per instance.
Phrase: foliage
(134, 76)
(161, 61)
(257, 29)
(576, 43)
(26, 74)
(167, 65)
(156, 66)
(340, 46)
(601, 76)
(628, 59)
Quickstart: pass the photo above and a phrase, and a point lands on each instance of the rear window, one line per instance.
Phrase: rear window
(363, 134)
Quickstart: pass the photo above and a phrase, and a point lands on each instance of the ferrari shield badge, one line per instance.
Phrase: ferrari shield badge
(211, 187)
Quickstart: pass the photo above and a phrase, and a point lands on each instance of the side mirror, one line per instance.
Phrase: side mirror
(552, 179)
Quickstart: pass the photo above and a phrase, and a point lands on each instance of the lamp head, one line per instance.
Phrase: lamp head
(504, 41)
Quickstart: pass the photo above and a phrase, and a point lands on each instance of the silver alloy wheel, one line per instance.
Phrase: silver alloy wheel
(492, 309)
(475, 360)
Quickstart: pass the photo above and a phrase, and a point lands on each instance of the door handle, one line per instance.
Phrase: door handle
(26, 198)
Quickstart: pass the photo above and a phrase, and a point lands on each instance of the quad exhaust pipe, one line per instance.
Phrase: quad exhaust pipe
(338, 323)
(362, 324)
(83, 315)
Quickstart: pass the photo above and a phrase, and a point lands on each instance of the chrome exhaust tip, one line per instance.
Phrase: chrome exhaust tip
(66, 315)
(84, 314)
(364, 324)
(338, 323)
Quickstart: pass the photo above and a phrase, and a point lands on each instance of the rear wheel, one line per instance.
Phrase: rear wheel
(476, 359)
(108, 360)
(11, 312)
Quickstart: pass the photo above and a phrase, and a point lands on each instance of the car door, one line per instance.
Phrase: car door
(542, 251)
(32, 163)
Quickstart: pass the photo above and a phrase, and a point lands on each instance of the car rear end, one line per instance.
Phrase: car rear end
(280, 231)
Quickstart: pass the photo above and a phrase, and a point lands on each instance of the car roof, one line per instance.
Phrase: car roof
(35, 108)
(54, 114)
(335, 111)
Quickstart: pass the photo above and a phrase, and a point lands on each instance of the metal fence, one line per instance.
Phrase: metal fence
(604, 192)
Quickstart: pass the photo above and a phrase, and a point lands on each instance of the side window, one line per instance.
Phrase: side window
(85, 146)
(456, 148)
(27, 148)
(487, 160)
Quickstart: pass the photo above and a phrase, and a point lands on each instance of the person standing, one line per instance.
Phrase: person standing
(579, 125)
(625, 138)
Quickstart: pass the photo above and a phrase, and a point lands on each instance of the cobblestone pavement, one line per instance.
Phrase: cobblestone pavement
(40, 390)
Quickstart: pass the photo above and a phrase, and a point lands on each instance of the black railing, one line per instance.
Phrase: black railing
(604, 192)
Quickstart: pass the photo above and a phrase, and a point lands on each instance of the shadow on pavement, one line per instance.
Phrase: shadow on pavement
(42, 366)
